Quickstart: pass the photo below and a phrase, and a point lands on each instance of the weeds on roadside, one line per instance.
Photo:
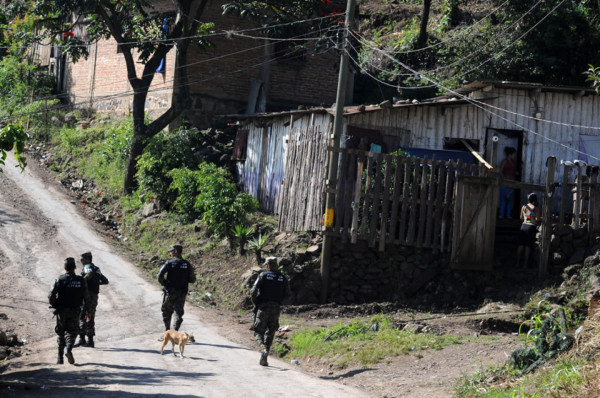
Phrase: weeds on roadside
(364, 342)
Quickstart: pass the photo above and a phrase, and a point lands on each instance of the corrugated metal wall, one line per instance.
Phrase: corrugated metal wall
(263, 170)
(430, 124)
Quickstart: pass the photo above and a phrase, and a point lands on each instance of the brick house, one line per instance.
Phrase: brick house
(237, 75)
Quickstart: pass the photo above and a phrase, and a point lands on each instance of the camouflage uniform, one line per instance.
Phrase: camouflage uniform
(269, 290)
(94, 279)
(174, 276)
(68, 294)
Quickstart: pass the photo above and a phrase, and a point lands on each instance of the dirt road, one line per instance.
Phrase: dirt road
(39, 227)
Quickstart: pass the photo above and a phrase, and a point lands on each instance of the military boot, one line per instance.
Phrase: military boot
(69, 355)
(60, 359)
(81, 341)
(90, 342)
(263, 358)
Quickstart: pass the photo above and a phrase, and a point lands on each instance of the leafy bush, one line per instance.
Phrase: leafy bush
(19, 82)
(186, 183)
(221, 204)
(165, 152)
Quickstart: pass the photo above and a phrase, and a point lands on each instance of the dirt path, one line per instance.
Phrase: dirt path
(39, 227)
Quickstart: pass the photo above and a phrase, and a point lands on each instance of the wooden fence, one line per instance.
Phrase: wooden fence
(388, 199)
(302, 196)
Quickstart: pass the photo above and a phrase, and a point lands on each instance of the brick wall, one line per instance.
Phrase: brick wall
(220, 76)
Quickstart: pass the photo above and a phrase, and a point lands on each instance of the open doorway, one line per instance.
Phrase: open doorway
(507, 141)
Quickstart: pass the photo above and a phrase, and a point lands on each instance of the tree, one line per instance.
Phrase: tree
(137, 27)
(13, 137)
(422, 39)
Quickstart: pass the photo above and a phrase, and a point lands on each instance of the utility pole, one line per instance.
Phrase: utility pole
(338, 121)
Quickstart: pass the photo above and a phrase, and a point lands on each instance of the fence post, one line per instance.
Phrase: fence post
(565, 197)
(547, 218)
(577, 198)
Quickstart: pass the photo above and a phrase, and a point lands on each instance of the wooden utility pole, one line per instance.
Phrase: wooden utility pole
(338, 121)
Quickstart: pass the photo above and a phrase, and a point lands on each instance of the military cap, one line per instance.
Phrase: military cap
(86, 255)
(178, 248)
(70, 263)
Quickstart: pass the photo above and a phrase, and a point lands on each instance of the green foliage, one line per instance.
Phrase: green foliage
(19, 82)
(549, 335)
(165, 152)
(242, 234)
(593, 76)
(221, 204)
(187, 184)
(13, 137)
(364, 342)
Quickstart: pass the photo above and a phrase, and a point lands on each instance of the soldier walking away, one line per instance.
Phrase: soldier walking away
(94, 279)
(174, 276)
(269, 290)
(67, 296)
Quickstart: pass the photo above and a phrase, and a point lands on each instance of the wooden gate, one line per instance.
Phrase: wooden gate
(476, 200)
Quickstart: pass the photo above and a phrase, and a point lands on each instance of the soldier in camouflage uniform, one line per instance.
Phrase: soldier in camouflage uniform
(94, 279)
(68, 294)
(174, 276)
(269, 290)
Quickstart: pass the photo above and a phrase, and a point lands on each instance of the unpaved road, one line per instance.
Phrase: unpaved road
(39, 227)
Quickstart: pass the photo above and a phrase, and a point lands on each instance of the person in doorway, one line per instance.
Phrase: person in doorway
(530, 218)
(68, 296)
(94, 279)
(174, 276)
(269, 290)
(508, 171)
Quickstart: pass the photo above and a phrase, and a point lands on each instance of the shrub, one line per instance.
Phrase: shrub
(186, 183)
(221, 204)
(165, 152)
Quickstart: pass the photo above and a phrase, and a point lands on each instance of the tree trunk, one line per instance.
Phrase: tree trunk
(422, 40)
(138, 142)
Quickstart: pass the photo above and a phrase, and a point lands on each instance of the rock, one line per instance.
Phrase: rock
(149, 209)
(78, 184)
(3, 338)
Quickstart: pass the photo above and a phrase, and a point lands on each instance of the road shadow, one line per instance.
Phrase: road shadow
(96, 380)
(347, 374)
(9, 218)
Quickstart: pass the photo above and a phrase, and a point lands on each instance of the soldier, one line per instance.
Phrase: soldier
(174, 276)
(68, 294)
(94, 279)
(269, 290)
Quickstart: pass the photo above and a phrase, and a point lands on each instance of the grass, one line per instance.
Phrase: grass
(563, 378)
(363, 342)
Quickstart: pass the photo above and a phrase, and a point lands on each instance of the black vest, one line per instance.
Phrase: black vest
(178, 274)
(272, 287)
(70, 291)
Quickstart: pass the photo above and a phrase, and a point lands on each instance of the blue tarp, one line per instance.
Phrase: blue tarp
(442, 154)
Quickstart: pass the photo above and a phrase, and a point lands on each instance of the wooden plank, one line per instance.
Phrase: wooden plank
(423, 203)
(385, 205)
(339, 195)
(397, 189)
(565, 198)
(406, 188)
(594, 208)
(357, 195)
(376, 200)
(447, 211)
(476, 154)
(439, 205)
(348, 202)
(364, 222)
(430, 203)
(411, 233)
